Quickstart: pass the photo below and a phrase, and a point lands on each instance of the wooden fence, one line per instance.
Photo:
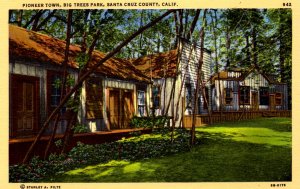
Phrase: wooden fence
(216, 117)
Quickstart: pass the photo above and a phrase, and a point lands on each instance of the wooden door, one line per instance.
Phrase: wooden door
(272, 102)
(24, 102)
(254, 100)
(114, 111)
(127, 108)
(121, 108)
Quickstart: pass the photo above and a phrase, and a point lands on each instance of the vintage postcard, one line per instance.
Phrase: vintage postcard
(134, 94)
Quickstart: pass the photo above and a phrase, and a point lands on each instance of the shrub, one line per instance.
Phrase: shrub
(141, 147)
(80, 129)
(148, 122)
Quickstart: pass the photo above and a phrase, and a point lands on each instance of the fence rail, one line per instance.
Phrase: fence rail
(217, 117)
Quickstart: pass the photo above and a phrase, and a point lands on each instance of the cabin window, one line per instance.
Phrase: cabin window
(55, 90)
(94, 98)
(244, 95)
(278, 99)
(156, 96)
(228, 97)
(188, 96)
(54, 80)
(141, 103)
(264, 96)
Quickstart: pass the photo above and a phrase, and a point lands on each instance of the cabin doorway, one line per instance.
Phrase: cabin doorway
(272, 102)
(254, 100)
(121, 108)
(24, 101)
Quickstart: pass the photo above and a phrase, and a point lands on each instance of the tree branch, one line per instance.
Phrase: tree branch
(87, 74)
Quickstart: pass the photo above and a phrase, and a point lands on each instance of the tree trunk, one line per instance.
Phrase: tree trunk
(50, 15)
(50, 142)
(64, 79)
(180, 22)
(176, 28)
(228, 43)
(141, 36)
(215, 21)
(182, 84)
(85, 76)
(186, 16)
(35, 19)
(193, 24)
(68, 133)
(281, 50)
(20, 18)
(193, 134)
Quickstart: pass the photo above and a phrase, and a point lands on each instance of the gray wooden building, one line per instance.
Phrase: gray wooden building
(249, 89)
(108, 99)
(179, 66)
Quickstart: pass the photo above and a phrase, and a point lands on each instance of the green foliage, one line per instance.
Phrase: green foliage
(148, 122)
(57, 83)
(141, 147)
(58, 143)
(264, 155)
(82, 59)
(73, 104)
(79, 128)
(70, 80)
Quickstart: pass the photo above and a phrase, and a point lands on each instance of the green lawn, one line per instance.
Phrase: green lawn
(254, 150)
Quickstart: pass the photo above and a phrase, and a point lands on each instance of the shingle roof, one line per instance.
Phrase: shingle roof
(158, 65)
(224, 75)
(29, 45)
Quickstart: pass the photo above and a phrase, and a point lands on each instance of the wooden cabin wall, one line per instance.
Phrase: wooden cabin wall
(254, 81)
(108, 84)
(166, 86)
(282, 88)
(188, 67)
(39, 70)
(222, 84)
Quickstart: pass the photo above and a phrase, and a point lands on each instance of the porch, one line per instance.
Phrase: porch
(217, 116)
(19, 146)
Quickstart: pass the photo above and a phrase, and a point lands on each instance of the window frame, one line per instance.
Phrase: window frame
(264, 96)
(226, 97)
(158, 97)
(141, 106)
(50, 88)
(242, 102)
(278, 96)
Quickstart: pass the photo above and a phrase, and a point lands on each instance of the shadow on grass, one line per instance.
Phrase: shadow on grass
(220, 157)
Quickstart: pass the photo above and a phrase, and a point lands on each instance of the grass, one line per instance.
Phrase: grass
(255, 150)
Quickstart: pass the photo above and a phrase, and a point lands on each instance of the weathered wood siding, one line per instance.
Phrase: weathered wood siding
(219, 95)
(187, 75)
(255, 81)
(39, 70)
(101, 124)
(189, 64)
